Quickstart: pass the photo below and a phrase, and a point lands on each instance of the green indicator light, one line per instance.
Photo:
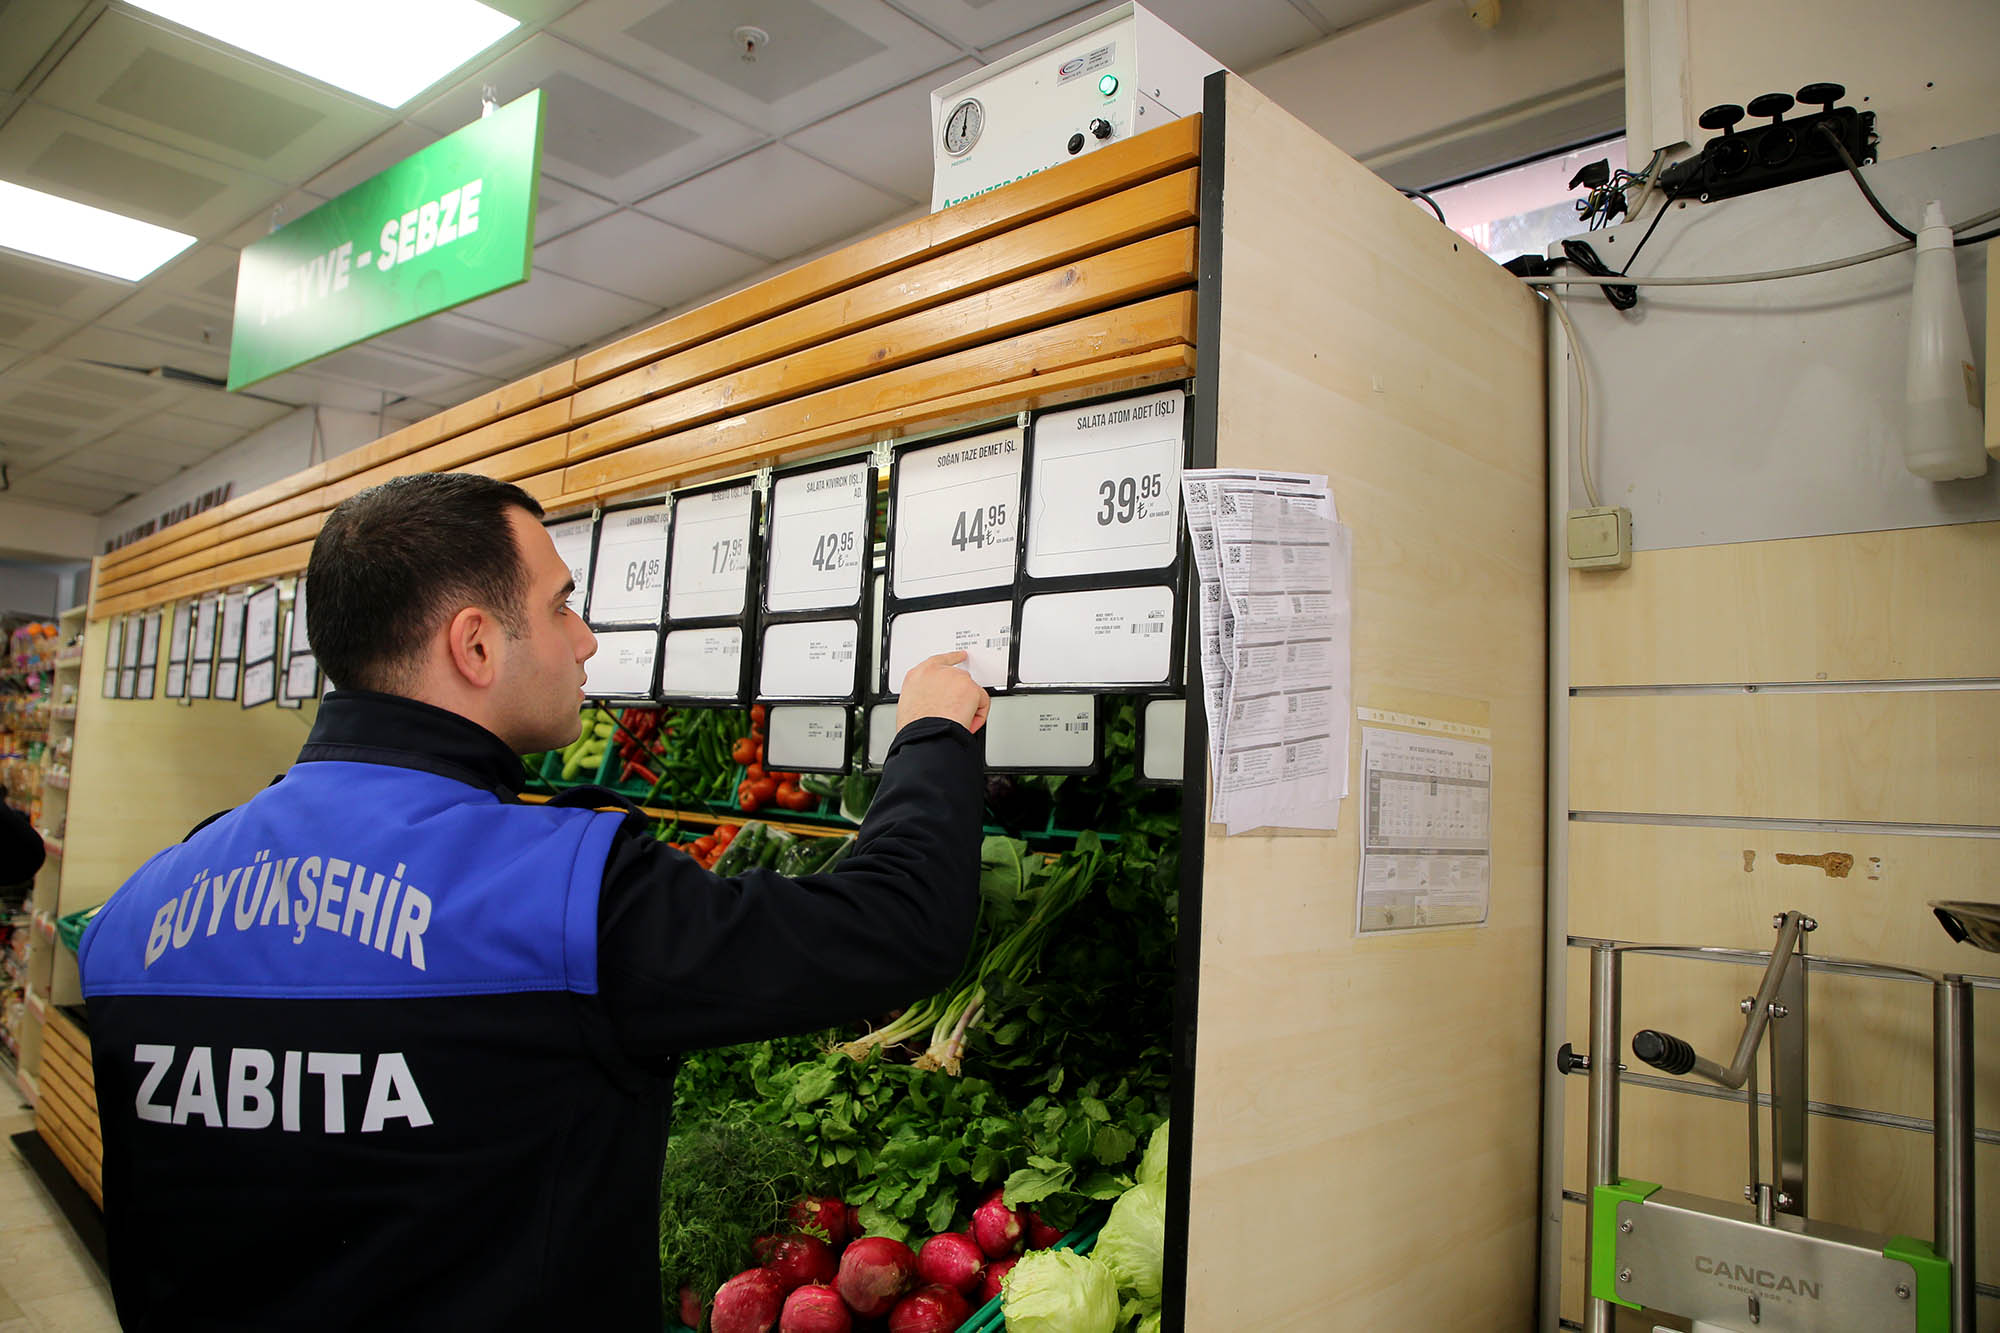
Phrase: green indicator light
(1108, 84)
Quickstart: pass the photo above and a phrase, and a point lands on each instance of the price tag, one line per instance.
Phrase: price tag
(703, 663)
(957, 512)
(201, 675)
(260, 682)
(1164, 728)
(812, 737)
(128, 683)
(982, 632)
(1106, 490)
(572, 541)
(298, 641)
(176, 680)
(881, 733)
(711, 569)
(631, 566)
(302, 677)
(109, 689)
(260, 632)
(1041, 733)
(133, 633)
(623, 664)
(234, 607)
(820, 528)
(1103, 636)
(149, 643)
(227, 676)
(204, 627)
(145, 688)
(808, 659)
(177, 636)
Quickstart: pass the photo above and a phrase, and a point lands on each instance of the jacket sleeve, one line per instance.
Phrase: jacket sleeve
(688, 959)
(21, 849)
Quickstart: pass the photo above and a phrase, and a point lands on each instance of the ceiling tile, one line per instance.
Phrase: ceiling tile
(22, 428)
(28, 28)
(561, 208)
(267, 215)
(775, 202)
(140, 469)
(161, 453)
(41, 489)
(556, 308)
(31, 330)
(302, 387)
(140, 351)
(117, 386)
(239, 412)
(652, 260)
(823, 55)
(380, 153)
(885, 141)
(57, 289)
(95, 164)
(187, 321)
(158, 82)
(72, 410)
(986, 22)
(604, 128)
(469, 345)
(397, 373)
(1243, 34)
(206, 271)
(173, 428)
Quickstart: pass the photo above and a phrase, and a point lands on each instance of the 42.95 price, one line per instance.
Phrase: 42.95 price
(1125, 498)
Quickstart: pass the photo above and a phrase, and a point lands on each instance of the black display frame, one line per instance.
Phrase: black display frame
(862, 607)
(1097, 718)
(744, 621)
(282, 632)
(772, 762)
(1139, 750)
(597, 518)
(228, 652)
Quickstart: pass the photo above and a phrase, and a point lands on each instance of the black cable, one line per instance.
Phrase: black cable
(1419, 194)
(1847, 160)
(1975, 240)
(1665, 204)
(1581, 254)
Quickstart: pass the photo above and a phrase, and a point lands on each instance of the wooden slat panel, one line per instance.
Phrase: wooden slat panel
(76, 1066)
(1107, 224)
(1860, 606)
(509, 400)
(988, 402)
(246, 513)
(1132, 273)
(284, 560)
(303, 528)
(1155, 323)
(1118, 166)
(78, 1112)
(1909, 757)
(62, 1142)
(448, 455)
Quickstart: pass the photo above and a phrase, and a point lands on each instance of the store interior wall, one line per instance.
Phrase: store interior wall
(1686, 785)
(30, 531)
(37, 588)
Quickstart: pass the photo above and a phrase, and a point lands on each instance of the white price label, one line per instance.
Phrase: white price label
(132, 635)
(881, 733)
(1164, 728)
(227, 676)
(809, 659)
(109, 690)
(711, 569)
(235, 606)
(177, 680)
(145, 682)
(299, 641)
(821, 524)
(1106, 489)
(572, 542)
(204, 627)
(149, 643)
(622, 667)
(1105, 636)
(807, 736)
(703, 663)
(201, 676)
(301, 677)
(260, 682)
(177, 634)
(1042, 733)
(260, 632)
(957, 512)
(128, 683)
(982, 632)
(631, 566)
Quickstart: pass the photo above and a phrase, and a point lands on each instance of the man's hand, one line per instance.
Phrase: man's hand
(940, 687)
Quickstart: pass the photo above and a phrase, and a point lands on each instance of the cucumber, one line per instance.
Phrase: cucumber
(775, 846)
(800, 857)
(823, 785)
(743, 851)
(833, 854)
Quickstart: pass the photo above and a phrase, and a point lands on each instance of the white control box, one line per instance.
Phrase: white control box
(1110, 77)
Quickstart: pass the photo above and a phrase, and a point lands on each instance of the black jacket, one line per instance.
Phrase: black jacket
(524, 1195)
(21, 848)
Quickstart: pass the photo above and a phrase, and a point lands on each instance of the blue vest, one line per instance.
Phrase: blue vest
(361, 881)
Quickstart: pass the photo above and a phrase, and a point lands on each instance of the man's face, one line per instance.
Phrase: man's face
(541, 683)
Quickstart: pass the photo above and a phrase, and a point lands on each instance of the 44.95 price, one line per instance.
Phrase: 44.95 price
(977, 529)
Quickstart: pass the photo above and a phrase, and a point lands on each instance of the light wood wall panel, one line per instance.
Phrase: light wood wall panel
(1346, 1087)
(1909, 757)
(1911, 604)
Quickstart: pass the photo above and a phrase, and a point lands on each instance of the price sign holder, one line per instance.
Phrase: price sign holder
(626, 667)
(988, 605)
(281, 665)
(804, 546)
(619, 571)
(260, 675)
(808, 738)
(1043, 733)
(878, 733)
(1162, 741)
(1089, 620)
(230, 638)
(575, 539)
(180, 635)
(707, 633)
(114, 646)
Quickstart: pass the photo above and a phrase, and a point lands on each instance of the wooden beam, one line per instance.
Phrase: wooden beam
(285, 560)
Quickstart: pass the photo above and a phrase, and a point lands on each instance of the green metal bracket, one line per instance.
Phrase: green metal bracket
(1604, 1235)
(1933, 1281)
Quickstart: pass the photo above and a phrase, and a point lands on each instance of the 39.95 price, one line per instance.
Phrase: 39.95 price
(1125, 498)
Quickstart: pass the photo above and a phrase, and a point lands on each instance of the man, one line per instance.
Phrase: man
(384, 1048)
(21, 849)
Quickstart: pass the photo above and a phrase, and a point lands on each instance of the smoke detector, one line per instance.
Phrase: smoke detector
(751, 38)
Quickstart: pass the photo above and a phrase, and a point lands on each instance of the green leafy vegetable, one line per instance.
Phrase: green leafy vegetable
(1059, 1291)
(1133, 1242)
(722, 1185)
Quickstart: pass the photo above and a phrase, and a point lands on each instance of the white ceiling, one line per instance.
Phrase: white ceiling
(672, 171)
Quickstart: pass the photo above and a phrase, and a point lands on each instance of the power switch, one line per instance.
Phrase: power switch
(1075, 144)
(1600, 538)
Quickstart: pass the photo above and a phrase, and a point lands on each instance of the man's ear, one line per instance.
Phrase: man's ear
(470, 641)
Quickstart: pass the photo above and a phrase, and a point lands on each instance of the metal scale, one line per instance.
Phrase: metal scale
(1762, 1264)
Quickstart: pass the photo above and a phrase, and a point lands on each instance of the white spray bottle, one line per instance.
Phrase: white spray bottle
(1942, 427)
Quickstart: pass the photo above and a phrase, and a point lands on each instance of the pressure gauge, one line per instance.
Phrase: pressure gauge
(962, 127)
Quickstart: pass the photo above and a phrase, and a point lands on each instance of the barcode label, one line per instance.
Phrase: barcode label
(844, 655)
(1076, 726)
(1158, 627)
(1000, 642)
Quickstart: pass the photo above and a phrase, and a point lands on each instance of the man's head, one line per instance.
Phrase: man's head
(443, 587)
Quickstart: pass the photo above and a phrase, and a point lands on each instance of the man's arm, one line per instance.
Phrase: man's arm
(688, 959)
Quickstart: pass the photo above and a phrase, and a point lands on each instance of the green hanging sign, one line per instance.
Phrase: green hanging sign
(446, 225)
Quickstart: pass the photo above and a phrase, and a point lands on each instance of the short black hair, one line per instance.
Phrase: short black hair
(396, 561)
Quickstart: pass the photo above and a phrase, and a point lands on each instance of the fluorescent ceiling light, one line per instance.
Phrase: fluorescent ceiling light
(387, 51)
(72, 233)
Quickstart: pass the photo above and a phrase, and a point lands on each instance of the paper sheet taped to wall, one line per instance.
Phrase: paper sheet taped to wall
(1426, 829)
(1276, 614)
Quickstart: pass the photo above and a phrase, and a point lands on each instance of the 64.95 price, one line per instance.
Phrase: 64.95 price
(1124, 498)
(977, 529)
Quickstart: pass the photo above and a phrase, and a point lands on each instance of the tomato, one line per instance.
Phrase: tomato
(744, 751)
(757, 715)
(753, 772)
(790, 796)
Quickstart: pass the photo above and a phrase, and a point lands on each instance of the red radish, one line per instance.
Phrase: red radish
(690, 1308)
(1040, 1234)
(989, 1287)
(873, 1273)
(931, 1309)
(815, 1309)
(997, 1227)
(796, 1260)
(855, 1231)
(828, 1215)
(950, 1260)
(747, 1303)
